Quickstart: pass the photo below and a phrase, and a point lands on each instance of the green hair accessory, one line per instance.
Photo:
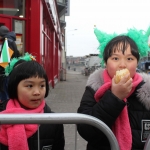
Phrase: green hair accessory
(139, 36)
(26, 57)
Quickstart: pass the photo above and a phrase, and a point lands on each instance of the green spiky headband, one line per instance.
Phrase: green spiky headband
(26, 57)
(139, 36)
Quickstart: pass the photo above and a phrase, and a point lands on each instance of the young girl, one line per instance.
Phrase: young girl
(27, 88)
(124, 107)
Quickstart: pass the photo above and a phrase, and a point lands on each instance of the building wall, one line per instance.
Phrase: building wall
(40, 34)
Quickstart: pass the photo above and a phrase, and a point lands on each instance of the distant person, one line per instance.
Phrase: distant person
(86, 71)
(27, 87)
(123, 105)
(11, 38)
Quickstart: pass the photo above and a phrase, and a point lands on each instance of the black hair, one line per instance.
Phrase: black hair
(3, 76)
(19, 62)
(122, 42)
(23, 71)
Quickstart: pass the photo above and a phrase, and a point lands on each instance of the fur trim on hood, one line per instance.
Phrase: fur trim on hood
(96, 80)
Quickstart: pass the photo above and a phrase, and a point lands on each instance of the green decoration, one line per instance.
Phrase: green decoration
(139, 36)
(26, 57)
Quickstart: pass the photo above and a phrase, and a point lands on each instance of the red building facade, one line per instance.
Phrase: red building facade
(38, 32)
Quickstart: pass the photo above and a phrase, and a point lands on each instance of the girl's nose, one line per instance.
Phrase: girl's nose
(122, 64)
(36, 91)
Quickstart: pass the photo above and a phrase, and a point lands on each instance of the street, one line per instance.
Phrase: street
(65, 98)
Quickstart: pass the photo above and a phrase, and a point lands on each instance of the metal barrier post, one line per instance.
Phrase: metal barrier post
(60, 118)
(38, 138)
(147, 144)
(75, 138)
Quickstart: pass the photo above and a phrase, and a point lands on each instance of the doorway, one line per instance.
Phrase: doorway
(5, 21)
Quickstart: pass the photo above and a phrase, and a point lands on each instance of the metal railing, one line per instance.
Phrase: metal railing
(60, 118)
(64, 118)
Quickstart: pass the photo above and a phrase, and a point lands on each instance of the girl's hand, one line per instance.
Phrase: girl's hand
(123, 88)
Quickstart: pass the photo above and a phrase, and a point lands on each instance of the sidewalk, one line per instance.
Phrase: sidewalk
(65, 98)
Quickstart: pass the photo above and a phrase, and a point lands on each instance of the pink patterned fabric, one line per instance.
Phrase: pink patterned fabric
(121, 127)
(15, 136)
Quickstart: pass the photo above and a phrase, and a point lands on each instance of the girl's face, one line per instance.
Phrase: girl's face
(31, 92)
(118, 61)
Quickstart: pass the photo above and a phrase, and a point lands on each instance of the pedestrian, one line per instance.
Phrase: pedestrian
(86, 71)
(27, 87)
(125, 106)
(11, 38)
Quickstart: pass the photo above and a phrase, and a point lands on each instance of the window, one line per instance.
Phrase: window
(13, 7)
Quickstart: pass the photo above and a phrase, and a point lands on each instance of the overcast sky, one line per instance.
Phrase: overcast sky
(108, 15)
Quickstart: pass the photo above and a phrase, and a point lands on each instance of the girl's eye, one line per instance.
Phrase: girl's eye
(43, 85)
(29, 86)
(115, 58)
(130, 58)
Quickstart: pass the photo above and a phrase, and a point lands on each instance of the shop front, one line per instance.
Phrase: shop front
(37, 29)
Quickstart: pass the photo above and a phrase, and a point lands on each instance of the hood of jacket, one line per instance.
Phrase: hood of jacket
(11, 36)
(96, 80)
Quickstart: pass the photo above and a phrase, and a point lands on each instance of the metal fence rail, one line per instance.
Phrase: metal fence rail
(60, 118)
(63, 118)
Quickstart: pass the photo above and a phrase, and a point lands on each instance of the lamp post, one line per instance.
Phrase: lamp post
(71, 30)
(63, 59)
(66, 41)
(66, 33)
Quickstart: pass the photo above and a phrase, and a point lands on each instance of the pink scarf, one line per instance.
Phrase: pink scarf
(15, 136)
(121, 127)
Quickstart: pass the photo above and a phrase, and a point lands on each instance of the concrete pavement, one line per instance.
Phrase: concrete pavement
(65, 98)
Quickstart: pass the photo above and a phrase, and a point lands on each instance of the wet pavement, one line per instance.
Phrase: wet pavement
(65, 98)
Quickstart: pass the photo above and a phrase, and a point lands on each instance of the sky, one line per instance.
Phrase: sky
(108, 15)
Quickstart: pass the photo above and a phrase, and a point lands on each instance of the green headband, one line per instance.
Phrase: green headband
(26, 57)
(139, 36)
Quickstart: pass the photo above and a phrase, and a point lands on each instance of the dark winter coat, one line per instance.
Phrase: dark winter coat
(51, 135)
(11, 36)
(3, 92)
(109, 107)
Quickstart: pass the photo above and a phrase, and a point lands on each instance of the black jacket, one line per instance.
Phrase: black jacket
(109, 108)
(51, 135)
(11, 36)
